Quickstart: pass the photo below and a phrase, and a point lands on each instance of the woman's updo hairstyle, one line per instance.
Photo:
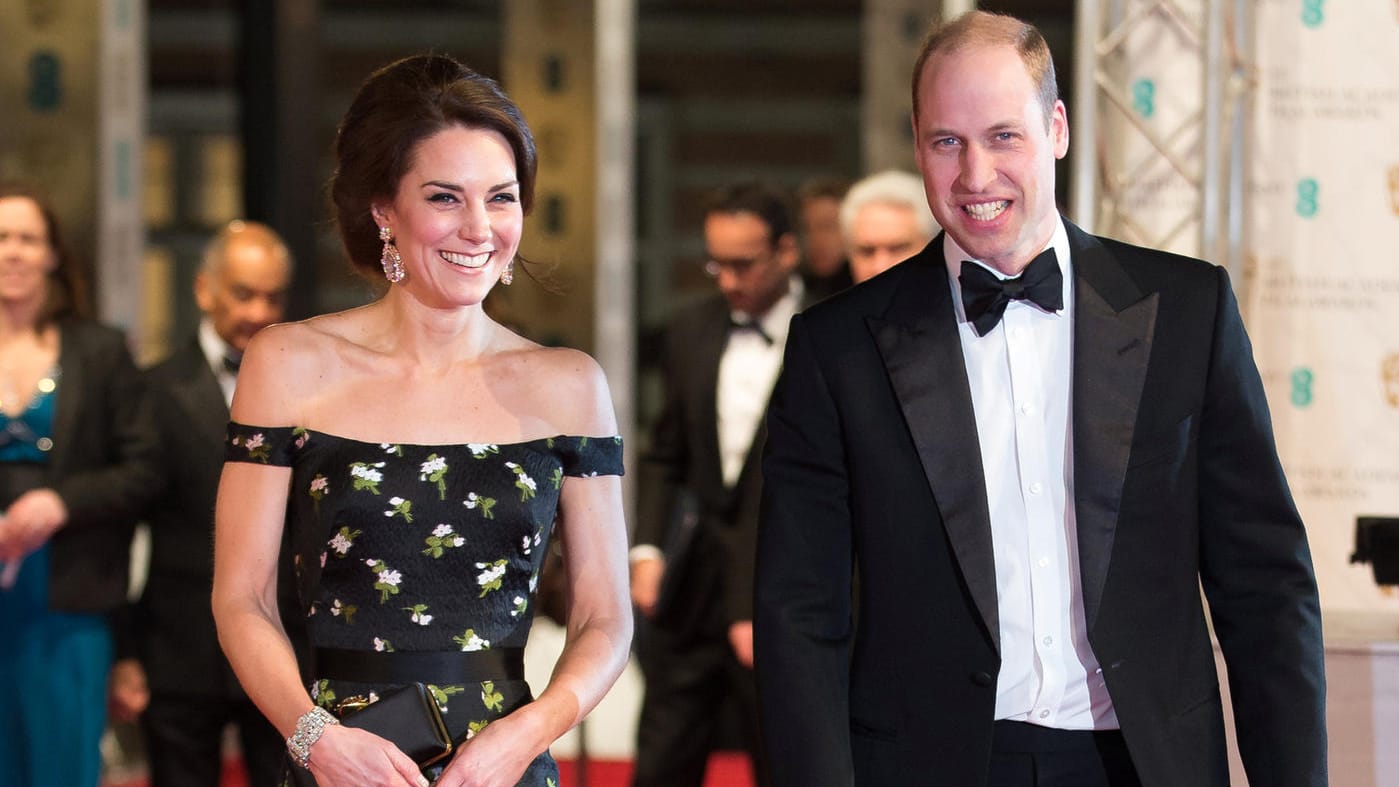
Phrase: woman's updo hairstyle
(397, 107)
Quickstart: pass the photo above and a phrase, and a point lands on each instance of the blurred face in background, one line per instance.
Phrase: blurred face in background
(820, 225)
(751, 268)
(247, 291)
(26, 254)
(882, 235)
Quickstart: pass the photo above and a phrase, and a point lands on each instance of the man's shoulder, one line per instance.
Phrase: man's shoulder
(1156, 263)
(699, 311)
(177, 365)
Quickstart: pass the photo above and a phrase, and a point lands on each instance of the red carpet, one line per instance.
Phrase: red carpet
(726, 769)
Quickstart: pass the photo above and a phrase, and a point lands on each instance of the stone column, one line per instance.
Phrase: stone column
(547, 64)
(72, 99)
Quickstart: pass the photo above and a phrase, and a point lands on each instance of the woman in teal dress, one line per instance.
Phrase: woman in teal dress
(422, 454)
(76, 448)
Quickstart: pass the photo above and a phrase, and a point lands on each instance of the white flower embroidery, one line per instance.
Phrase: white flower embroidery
(475, 643)
(391, 577)
(380, 645)
(367, 472)
(471, 500)
(254, 441)
(340, 544)
(321, 484)
(493, 572)
(431, 466)
(458, 541)
(479, 450)
(442, 530)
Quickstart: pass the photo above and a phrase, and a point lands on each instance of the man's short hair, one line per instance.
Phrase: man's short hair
(766, 202)
(216, 250)
(982, 28)
(890, 187)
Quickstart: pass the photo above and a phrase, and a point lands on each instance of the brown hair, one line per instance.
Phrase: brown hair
(982, 28)
(67, 295)
(396, 108)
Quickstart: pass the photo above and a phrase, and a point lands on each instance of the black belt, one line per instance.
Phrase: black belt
(421, 666)
(1019, 736)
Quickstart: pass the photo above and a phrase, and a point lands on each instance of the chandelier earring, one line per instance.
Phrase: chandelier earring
(390, 259)
(508, 274)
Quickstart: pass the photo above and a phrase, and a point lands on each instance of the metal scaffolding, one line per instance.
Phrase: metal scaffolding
(1204, 146)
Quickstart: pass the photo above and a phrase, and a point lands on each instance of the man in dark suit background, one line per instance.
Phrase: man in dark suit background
(1035, 446)
(692, 566)
(193, 695)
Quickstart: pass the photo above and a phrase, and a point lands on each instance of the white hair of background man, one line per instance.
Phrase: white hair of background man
(890, 187)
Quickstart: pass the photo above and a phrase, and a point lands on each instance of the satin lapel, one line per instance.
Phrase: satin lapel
(922, 353)
(1113, 330)
(70, 396)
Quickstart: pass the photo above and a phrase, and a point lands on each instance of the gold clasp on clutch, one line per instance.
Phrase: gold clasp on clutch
(357, 702)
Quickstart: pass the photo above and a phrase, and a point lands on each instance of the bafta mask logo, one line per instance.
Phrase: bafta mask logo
(1389, 371)
(1394, 183)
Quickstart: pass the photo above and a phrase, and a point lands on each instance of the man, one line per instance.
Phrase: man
(692, 568)
(1034, 462)
(884, 220)
(824, 267)
(240, 288)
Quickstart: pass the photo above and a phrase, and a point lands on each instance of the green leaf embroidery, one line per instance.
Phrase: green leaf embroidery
(474, 727)
(557, 478)
(470, 642)
(474, 500)
(443, 538)
(401, 507)
(492, 699)
(440, 695)
(419, 615)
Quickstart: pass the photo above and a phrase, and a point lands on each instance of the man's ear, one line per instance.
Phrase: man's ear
(788, 252)
(204, 292)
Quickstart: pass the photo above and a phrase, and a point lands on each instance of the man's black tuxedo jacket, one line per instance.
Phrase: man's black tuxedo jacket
(103, 466)
(177, 642)
(716, 555)
(872, 461)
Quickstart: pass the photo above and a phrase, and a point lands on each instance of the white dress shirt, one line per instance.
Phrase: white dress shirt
(1021, 387)
(215, 349)
(747, 371)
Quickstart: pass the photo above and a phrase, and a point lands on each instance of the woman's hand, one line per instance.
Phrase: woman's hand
(347, 757)
(30, 521)
(495, 757)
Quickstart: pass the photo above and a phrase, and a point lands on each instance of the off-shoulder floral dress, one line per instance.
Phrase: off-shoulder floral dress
(403, 547)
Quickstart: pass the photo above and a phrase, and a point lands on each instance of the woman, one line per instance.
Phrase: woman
(421, 453)
(76, 468)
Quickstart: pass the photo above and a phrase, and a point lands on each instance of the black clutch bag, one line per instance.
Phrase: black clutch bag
(407, 717)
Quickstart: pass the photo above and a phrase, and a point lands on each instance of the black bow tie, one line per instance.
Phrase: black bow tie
(231, 363)
(985, 297)
(737, 326)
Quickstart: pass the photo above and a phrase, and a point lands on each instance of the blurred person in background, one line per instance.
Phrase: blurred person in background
(78, 452)
(824, 268)
(697, 516)
(240, 288)
(884, 220)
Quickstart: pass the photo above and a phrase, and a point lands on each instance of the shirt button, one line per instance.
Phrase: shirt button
(1048, 641)
(1042, 562)
(1044, 714)
(1036, 488)
(1027, 408)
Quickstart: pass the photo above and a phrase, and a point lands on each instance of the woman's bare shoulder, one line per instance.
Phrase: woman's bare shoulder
(569, 386)
(286, 364)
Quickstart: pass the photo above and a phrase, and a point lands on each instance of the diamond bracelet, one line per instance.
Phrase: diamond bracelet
(308, 730)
